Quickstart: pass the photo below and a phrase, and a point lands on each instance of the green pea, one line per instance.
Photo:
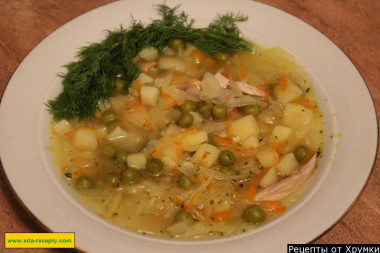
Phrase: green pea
(112, 179)
(83, 183)
(189, 106)
(219, 112)
(183, 181)
(174, 114)
(108, 151)
(252, 109)
(182, 215)
(300, 152)
(112, 126)
(177, 44)
(185, 120)
(254, 214)
(121, 156)
(119, 83)
(205, 108)
(220, 56)
(226, 158)
(154, 166)
(130, 176)
(229, 171)
(109, 116)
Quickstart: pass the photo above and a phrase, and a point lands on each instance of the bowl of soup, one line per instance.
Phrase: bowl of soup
(202, 149)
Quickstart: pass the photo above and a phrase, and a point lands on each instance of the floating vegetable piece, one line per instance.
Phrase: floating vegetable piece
(252, 109)
(130, 176)
(112, 179)
(63, 127)
(137, 161)
(183, 181)
(226, 158)
(186, 119)
(149, 53)
(206, 155)
(219, 111)
(245, 127)
(84, 183)
(300, 152)
(188, 106)
(287, 165)
(205, 108)
(154, 166)
(108, 151)
(85, 139)
(269, 178)
(254, 214)
(149, 95)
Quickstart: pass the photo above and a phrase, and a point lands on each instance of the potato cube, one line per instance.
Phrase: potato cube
(118, 136)
(174, 64)
(268, 157)
(252, 141)
(315, 133)
(280, 133)
(149, 95)
(190, 141)
(149, 53)
(206, 155)
(269, 178)
(163, 82)
(290, 94)
(298, 117)
(245, 127)
(85, 139)
(62, 127)
(287, 164)
(144, 78)
(136, 161)
(169, 156)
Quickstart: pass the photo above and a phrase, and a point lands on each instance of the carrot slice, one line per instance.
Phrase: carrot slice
(210, 63)
(251, 192)
(198, 55)
(222, 141)
(306, 103)
(242, 72)
(69, 132)
(222, 215)
(284, 83)
(148, 126)
(227, 74)
(273, 207)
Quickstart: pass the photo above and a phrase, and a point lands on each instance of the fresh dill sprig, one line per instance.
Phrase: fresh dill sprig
(88, 80)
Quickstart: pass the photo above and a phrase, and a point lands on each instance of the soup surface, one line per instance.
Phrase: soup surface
(201, 145)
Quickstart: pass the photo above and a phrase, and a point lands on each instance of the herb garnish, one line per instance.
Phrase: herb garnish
(88, 80)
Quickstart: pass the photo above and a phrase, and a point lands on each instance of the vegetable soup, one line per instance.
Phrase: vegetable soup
(200, 145)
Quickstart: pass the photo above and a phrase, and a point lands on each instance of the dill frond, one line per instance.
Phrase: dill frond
(89, 79)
